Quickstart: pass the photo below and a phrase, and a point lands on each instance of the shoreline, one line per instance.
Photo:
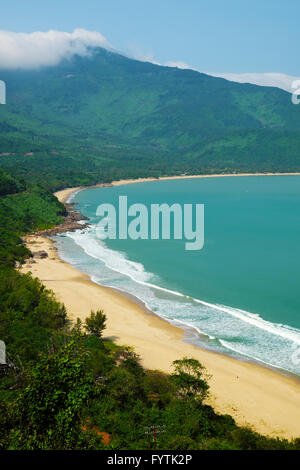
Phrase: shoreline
(64, 194)
(216, 175)
(253, 394)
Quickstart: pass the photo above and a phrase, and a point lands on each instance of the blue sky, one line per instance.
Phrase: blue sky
(235, 36)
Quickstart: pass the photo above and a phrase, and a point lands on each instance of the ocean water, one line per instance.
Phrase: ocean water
(240, 294)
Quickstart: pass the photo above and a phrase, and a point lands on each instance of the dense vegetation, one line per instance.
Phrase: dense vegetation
(107, 117)
(20, 213)
(83, 392)
(68, 387)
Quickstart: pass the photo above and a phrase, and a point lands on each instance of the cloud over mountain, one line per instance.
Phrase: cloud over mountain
(37, 49)
(278, 80)
(33, 50)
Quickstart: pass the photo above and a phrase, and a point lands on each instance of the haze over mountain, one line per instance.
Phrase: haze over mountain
(279, 80)
(89, 113)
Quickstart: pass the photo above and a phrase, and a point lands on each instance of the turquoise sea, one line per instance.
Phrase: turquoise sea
(240, 294)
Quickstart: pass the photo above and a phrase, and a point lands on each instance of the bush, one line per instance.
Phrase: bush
(190, 379)
(48, 411)
(95, 323)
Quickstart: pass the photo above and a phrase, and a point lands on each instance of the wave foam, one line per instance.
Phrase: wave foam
(118, 262)
(114, 260)
(231, 329)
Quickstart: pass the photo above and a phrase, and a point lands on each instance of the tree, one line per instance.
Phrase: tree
(190, 379)
(48, 411)
(77, 327)
(95, 323)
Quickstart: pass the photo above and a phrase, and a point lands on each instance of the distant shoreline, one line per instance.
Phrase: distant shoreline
(64, 194)
(216, 175)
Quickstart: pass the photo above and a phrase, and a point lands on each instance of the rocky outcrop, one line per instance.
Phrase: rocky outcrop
(74, 220)
(40, 254)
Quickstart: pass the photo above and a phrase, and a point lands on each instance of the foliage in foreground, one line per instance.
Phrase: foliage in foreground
(95, 323)
(47, 411)
(87, 393)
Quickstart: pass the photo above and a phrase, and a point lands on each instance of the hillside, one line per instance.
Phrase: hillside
(108, 116)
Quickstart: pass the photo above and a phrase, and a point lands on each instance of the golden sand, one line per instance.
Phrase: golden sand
(253, 395)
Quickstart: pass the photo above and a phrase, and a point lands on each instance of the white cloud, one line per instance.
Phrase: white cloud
(278, 80)
(179, 65)
(137, 53)
(33, 50)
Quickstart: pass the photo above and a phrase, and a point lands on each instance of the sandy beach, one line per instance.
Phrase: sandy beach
(217, 175)
(64, 194)
(266, 400)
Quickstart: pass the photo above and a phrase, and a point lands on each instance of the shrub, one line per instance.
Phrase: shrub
(95, 323)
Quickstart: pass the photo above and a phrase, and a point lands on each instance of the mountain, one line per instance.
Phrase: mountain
(107, 116)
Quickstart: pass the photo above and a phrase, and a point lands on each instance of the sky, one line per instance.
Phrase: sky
(215, 36)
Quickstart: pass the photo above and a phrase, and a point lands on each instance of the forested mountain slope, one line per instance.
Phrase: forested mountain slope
(108, 116)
